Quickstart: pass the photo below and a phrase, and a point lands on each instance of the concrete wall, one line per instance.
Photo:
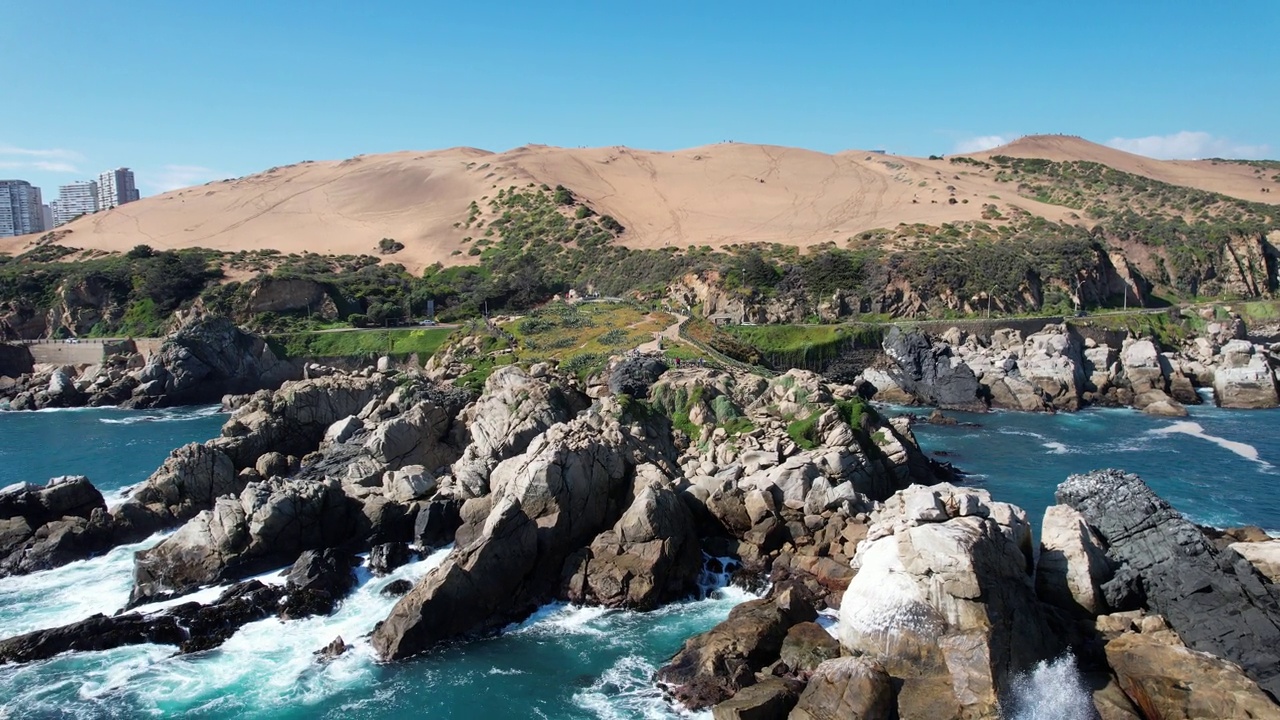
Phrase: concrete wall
(82, 352)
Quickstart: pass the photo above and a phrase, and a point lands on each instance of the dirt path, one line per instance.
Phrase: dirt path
(670, 334)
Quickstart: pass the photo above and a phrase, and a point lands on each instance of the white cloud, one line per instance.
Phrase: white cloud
(1188, 145)
(980, 143)
(54, 160)
(174, 177)
(45, 165)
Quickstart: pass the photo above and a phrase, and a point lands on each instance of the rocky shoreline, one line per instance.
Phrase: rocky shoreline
(1059, 369)
(612, 491)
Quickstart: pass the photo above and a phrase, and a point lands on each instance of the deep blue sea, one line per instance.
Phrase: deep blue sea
(1217, 466)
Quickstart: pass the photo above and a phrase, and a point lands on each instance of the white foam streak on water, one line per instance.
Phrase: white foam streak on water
(180, 415)
(1196, 430)
(1056, 448)
(1051, 691)
(73, 592)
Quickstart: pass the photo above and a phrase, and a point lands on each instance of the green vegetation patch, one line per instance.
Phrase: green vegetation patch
(358, 343)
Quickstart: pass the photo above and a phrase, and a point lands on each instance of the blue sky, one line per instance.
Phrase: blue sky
(187, 92)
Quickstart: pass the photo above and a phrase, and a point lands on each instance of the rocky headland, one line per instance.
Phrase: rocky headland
(885, 589)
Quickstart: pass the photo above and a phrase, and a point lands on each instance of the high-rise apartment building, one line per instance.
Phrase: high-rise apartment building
(116, 187)
(76, 199)
(46, 215)
(20, 206)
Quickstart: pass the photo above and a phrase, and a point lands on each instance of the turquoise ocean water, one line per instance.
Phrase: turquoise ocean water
(565, 662)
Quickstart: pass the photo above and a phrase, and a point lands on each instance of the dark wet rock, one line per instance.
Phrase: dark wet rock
(713, 666)
(335, 648)
(192, 626)
(635, 375)
(1215, 600)
(930, 372)
(385, 558)
(329, 570)
(397, 587)
(97, 632)
(436, 523)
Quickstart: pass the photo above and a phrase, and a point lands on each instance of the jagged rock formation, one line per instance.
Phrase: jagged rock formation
(44, 526)
(1215, 600)
(606, 507)
(365, 490)
(943, 598)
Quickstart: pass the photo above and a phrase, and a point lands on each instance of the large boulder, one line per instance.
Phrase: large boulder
(189, 481)
(944, 600)
(270, 523)
(1072, 566)
(1162, 675)
(931, 372)
(1244, 378)
(514, 409)
(207, 358)
(649, 557)
(1215, 600)
(848, 688)
(712, 666)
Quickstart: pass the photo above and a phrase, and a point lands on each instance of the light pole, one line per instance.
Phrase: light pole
(1076, 297)
(989, 294)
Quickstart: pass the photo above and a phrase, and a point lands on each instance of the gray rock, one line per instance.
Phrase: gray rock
(1216, 601)
(930, 372)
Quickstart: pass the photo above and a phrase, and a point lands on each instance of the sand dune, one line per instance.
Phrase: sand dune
(715, 195)
(1233, 179)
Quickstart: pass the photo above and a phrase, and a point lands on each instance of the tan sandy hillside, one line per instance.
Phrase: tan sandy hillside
(1235, 179)
(715, 195)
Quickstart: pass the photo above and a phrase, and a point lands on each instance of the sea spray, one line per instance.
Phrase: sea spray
(1053, 690)
(70, 593)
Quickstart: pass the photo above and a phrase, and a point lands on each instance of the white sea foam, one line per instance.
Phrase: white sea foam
(1052, 691)
(1056, 448)
(273, 661)
(1196, 430)
(626, 690)
(182, 415)
(70, 593)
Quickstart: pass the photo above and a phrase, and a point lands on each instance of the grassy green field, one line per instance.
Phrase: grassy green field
(351, 343)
